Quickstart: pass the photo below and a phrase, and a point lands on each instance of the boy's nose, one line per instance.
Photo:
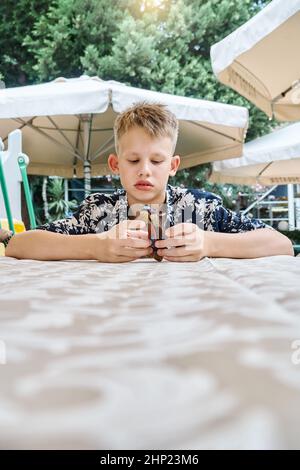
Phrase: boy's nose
(144, 170)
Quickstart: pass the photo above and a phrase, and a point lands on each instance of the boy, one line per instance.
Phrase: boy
(145, 140)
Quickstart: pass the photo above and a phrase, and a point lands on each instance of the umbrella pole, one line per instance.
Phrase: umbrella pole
(87, 177)
(291, 206)
(87, 127)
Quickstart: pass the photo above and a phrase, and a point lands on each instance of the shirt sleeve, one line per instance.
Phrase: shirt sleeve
(84, 221)
(225, 220)
(5, 236)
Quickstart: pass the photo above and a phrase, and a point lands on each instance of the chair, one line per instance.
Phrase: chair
(13, 164)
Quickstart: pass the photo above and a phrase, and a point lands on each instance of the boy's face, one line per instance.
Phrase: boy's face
(144, 159)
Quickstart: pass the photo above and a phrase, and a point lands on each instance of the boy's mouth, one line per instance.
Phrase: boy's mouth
(143, 185)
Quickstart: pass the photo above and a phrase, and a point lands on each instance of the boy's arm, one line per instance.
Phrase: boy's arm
(253, 244)
(125, 241)
(236, 235)
(62, 239)
(45, 245)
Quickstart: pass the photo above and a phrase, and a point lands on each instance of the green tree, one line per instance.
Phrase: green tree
(57, 205)
(48, 199)
(17, 20)
(61, 36)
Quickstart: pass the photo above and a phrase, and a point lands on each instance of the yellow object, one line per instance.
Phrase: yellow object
(18, 226)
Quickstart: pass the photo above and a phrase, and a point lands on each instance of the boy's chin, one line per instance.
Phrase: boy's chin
(147, 200)
(151, 196)
(144, 196)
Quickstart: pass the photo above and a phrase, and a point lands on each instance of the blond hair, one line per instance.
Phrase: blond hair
(155, 119)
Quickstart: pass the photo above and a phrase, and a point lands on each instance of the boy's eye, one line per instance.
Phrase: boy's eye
(153, 161)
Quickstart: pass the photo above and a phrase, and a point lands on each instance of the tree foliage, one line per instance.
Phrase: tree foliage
(17, 21)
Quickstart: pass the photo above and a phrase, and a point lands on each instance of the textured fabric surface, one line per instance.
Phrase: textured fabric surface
(150, 355)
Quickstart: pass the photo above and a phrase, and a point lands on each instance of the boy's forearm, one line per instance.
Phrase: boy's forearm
(254, 244)
(45, 245)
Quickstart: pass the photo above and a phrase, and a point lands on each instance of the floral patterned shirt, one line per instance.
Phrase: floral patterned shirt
(100, 212)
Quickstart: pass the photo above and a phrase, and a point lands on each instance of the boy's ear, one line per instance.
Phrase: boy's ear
(113, 163)
(175, 162)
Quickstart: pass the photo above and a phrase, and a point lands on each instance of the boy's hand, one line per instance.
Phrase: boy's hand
(184, 242)
(126, 241)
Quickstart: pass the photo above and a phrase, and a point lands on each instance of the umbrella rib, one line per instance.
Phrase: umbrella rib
(46, 128)
(256, 78)
(259, 199)
(61, 133)
(59, 144)
(283, 93)
(206, 153)
(77, 141)
(215, 131)
(103, 129)
(98, 155)
(263, 170)
(105, 146)
(19, 128)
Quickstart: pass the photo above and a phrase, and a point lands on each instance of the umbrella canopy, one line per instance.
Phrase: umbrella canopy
(268, 160)
(260, 60)
(67, 124)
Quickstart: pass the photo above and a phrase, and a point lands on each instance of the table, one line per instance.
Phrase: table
(148, 355)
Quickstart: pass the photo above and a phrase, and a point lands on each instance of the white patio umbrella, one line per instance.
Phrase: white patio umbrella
(260, 60)
(269, 160)
(67, 125)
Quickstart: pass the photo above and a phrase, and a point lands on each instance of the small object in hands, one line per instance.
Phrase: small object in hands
(154, 221)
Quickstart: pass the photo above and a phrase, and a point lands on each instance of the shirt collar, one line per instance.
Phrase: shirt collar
(121, 206)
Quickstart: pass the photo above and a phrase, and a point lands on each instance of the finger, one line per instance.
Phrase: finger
(137, 234)
(136, 252)
(170, 242)
(127, 223)
(179, 230)
(136, 242)
(130, 225)
(135, 224)
(183, 251)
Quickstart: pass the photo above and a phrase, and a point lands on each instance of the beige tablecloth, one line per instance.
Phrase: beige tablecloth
(150, 355)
